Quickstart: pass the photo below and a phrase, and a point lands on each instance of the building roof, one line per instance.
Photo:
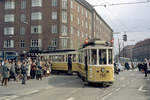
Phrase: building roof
(85, 4)
(91, 8)
(142, 43)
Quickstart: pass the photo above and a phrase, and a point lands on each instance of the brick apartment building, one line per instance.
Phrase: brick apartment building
(42, 24)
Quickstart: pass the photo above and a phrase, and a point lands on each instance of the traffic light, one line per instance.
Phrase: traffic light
(125, 37)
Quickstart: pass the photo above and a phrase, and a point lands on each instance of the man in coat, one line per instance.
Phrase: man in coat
(24, 72)
(69, 65)
(5, 73)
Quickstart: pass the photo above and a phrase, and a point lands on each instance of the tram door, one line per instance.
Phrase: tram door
(86, 64)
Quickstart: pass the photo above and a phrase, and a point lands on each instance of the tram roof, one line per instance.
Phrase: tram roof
(59, 51)
(97, 43)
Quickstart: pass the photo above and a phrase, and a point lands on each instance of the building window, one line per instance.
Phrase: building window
(71, 3)
(64, 30)
(22, 30)
(54, 42)
(71, 43)
(71, 30)
(64, 17)
(23, 4)
(9, 4)
(54, 3)
(82, 11)
(9, 31)
(71, 17)
(36, 43)
(54, 15)
(54, 29)
(22, 44)
(64, 42)
(78, 21)
(36, 29)
(36, 3)
(9, 18)
(78, 8)
(86, 13)
(64, 4)
(23, 18)
(9, 44)
(36, 16)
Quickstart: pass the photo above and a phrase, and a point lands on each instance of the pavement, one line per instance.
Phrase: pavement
(128, 85)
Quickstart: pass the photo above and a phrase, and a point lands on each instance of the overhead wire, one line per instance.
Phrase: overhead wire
(125, 3)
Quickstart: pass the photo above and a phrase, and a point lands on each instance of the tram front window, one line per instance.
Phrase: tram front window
(102, 57)
(110, 58)
(94, 56)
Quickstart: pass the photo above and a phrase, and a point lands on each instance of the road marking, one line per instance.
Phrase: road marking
(74, 91)
(5, 97)
(71, 98)
(32, 92)
(141, 89)
(148, 79)
(118, 89)
(12, 97)
(123, 85)
(105, 97)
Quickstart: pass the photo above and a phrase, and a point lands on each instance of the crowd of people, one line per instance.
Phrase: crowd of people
(144, 66)
(23, 70)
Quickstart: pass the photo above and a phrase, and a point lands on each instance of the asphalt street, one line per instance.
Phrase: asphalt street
(128, 85)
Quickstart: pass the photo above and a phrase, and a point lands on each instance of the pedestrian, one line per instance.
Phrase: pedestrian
(5, 73)
(33, 70)
(1, 71)
(29, 68)
(145, 69)
(127, 66)
(18, 70)
(12, 71)
(69, 64)
(24, 72)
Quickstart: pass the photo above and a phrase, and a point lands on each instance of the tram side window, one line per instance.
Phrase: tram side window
(73, 58)
(110, 56)
(94, 56)
(65, 58)
(79, 58)
(102, 57)
(88, 56)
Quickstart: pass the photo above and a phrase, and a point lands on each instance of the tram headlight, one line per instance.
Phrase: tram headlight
(103, 70)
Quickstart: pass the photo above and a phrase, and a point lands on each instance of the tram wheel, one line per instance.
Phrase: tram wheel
(105, 85)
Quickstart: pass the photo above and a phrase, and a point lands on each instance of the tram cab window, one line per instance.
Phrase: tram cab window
(102, 56)
(110, 57)
(74, 58)
(94, 56)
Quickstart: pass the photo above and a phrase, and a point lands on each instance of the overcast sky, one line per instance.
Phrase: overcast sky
(132, 19)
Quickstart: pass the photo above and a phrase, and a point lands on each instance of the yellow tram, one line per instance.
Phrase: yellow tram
(96, 62)
(59, 60)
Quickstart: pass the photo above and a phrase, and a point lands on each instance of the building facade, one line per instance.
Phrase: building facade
(127, 51)
(142, 50)
(43, 24)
